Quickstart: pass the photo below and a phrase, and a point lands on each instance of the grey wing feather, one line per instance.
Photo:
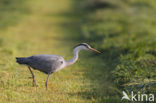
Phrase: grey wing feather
(45, 63)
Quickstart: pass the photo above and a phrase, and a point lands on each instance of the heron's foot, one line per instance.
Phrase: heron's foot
(30, 77)
(46, 86)
(34, 83)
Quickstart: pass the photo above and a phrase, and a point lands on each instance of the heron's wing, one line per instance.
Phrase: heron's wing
(45, 63)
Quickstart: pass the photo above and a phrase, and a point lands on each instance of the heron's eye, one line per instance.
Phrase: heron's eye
(87, 46)
(61, 62)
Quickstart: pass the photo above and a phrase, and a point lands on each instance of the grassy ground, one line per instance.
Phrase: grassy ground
(125, 32)
(48, 27)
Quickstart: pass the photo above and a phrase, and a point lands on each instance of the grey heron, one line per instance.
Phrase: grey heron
(51, 63)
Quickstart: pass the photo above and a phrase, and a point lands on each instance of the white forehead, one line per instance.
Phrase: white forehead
(81, 47)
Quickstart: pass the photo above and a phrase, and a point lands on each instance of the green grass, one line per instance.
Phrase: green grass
(123, 30)
(48, 28)
(12, 11)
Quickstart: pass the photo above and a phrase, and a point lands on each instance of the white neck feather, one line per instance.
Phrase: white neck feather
(75, 58)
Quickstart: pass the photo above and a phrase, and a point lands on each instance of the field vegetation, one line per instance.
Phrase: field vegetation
(123, 30)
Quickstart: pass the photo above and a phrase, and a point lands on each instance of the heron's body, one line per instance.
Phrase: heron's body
(44, 62)
(51, 63)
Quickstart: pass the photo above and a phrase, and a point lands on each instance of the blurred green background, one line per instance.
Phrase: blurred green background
(123, 30)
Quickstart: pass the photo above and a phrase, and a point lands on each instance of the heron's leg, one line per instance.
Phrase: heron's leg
(34, 81)
(46, 83)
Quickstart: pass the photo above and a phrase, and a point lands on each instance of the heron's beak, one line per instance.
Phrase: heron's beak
(94, 50)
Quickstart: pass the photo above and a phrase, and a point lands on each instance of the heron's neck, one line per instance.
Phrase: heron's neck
(75, 58)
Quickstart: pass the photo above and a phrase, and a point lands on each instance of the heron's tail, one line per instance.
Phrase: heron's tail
(21, 60)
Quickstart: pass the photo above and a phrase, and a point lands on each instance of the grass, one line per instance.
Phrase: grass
(10, 11)
(124, 31)
(43, 29)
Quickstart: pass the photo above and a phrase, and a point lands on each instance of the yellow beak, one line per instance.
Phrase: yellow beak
(94, 50)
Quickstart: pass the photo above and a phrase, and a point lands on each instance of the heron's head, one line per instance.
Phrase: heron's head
(85, 46)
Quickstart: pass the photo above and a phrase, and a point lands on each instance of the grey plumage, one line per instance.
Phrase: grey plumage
(51, 63)
(44, 63)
